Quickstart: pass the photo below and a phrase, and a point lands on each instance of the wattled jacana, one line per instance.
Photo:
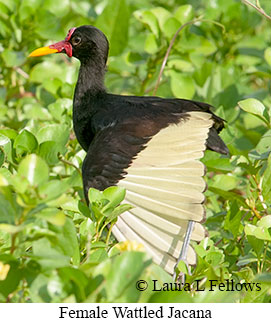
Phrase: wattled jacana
(149, 145)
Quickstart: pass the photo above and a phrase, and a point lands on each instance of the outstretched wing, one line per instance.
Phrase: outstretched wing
(162, 174)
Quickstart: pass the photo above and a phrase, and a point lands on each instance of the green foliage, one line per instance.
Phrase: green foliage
(53, 248)
(105, 208)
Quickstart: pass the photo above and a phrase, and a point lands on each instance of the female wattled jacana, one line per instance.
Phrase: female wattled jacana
(149, 145)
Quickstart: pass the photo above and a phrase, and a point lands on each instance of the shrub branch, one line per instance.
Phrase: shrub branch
(191, 22)
(258, 7)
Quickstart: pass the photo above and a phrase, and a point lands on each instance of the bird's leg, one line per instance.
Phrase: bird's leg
(183, 253)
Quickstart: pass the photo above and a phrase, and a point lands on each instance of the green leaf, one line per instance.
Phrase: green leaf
(25, 142)
(183, 267)
(225, 182)
(125, 271)
(48, 150)
(52, 215)
(266, 180)
(19, 182)
(58, 108)
(81, 8)
(52, 86)
(54, 132)
(252, 106)
(264, 278)
(38, 289)
(206, 47)
(233, 218)
(265, 222)
(96, 212)
(35, 111)
(9, 228)
(67, 240)
(214, 258)
(10, 133)
(98, 255)
(114, 22)
(162, 15)
(34, 169)
(9, 208)
(57, 7)
(95, 195)
(2, 157)
(115, 195)
(87, 229)
(70, 205)
(12, 280)
(47, 70)
(5, 144)
(261, 233)
(47, 256)
(256, 244)
(181, 65)
(184, 13)
(228, 195)
(48, 26)
(267, 55)
(53, 189)
(27, 9)
(118, 211)
(5, 176)
(12, 58)
(264, 145)
(150, 45)
(10, 5)
(222, 164)
(170, 27)
(247, 259)
(182, 86)
(78, 279)
(148, 18)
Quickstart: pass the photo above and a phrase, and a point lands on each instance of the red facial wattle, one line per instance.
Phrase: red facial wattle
(62, 46)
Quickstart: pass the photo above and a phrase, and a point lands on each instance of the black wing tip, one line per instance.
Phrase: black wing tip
(215, 143)
(222, 150)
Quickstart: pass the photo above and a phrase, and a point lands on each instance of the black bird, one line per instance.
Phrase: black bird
(149, 145)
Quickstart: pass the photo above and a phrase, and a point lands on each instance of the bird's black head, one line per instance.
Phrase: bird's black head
(85, 43)
(88, 42)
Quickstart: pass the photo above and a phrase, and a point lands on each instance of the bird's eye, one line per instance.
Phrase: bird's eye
(76, 40)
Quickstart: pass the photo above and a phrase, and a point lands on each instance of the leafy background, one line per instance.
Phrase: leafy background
(52, 247)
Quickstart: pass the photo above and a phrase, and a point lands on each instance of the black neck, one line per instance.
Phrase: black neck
(89, 87)
(90, 79)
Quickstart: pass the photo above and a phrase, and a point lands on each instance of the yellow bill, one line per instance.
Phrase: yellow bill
(43, 51)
